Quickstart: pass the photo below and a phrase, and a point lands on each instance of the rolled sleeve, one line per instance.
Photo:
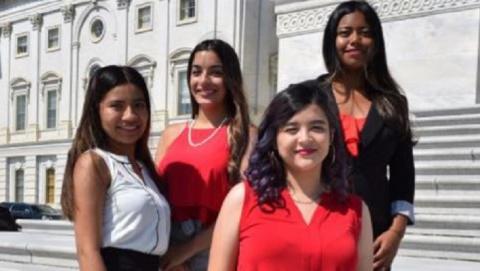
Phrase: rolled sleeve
(405, 208)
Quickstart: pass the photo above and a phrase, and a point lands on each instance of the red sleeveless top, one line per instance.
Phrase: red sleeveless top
(196, 177)
(352, 127)
(281, 240)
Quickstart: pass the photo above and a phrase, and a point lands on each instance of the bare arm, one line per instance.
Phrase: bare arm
(365, 244)
(224, 250)
(89, 193)
(178, 254)
(251, 144)
(228, 216)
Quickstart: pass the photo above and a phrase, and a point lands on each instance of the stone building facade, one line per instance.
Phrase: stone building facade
(49, 49)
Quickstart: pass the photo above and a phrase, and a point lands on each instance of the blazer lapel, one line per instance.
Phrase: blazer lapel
(373, 124)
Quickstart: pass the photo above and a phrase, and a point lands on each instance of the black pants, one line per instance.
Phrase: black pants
(117, 259)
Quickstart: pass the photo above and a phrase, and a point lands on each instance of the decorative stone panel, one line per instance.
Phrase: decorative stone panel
(315, 19)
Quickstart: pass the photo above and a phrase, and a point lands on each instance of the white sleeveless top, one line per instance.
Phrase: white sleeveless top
(136, 216)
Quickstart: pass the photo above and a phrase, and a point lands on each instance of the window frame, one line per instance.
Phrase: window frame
(16, 118)
(149, 27)
(180, 69)
(47, 40)
(93, 38)
(186, 20)
(47, 100)
(17, 37)
(16, 192)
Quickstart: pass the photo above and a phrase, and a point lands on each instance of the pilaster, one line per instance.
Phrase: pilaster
(5, 47)
(65, 120)
(122, 10)
(30, 179)
(33, 101)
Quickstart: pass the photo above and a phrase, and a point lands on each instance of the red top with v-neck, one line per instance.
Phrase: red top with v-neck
(282, 240)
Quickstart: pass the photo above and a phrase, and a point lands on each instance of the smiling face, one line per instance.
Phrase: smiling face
(124, 117)
(354, 41)
(207, 79)
(303, 142)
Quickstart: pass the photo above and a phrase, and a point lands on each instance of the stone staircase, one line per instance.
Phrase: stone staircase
(447, 193)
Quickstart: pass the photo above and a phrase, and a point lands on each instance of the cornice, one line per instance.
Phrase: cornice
(294, 20)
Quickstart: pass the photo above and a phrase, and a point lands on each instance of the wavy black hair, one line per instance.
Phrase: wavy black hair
(382, 89)
(266, 171)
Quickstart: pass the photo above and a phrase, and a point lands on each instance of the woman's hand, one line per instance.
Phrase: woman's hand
(175, 257)
(385, 248)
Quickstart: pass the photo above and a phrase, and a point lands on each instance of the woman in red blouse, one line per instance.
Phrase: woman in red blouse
(294, 213)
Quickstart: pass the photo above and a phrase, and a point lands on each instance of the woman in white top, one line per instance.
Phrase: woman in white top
(110, 192)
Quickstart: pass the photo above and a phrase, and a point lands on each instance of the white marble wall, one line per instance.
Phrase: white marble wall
(246, 24)
(432, 47)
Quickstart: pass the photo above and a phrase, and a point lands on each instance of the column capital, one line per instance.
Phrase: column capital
(123, 4)
(36, 20)
(68, 12)
(6, 29)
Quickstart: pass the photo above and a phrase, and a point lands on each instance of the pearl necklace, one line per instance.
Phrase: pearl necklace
(193, 144)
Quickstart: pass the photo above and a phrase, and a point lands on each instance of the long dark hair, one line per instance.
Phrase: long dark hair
(266, 171)
(90, 134)
(235, 102)
(381, 87)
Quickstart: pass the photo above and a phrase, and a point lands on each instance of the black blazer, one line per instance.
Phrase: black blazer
(384, 170)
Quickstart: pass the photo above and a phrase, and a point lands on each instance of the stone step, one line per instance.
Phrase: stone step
(447, 201)
(475, 109)
(445, 142)
(447, 193)
(466, 129)
(447, 211)
(447, 120)
(38, 248)
(447, 221)
(436, 254)
(51, 226)
(441, 243)
(447, 167)
(464, 154)
(12, 266)
(446, 182)
(443, 232)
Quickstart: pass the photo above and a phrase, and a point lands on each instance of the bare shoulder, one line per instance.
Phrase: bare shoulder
(170, 133)
(236, 195)
(89, 166)
(173, 130)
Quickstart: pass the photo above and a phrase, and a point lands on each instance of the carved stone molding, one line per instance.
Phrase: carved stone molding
(6, 29)
(123, 4)
(36, 20)
(68, 12)
(315, 19)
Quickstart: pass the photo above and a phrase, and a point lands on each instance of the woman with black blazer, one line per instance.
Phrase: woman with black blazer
(373, 113)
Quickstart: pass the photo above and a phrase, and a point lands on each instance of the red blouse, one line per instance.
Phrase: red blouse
(281, 240)
(197, 177)
(352, 127)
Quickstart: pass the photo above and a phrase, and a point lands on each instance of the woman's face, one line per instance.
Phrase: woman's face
(303, 142)
(124, 117)
(354, 41)
(207, 79)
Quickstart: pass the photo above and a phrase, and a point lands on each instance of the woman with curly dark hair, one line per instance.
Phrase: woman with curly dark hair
(294, 212)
